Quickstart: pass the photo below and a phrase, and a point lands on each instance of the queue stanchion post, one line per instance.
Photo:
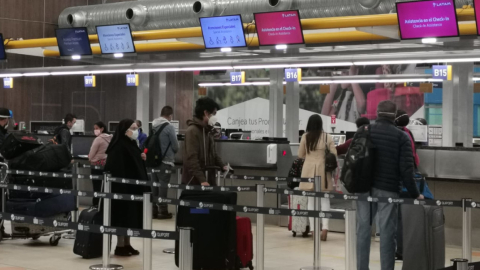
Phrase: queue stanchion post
(260, 262)
(185, 261)
(179, 192)
(75, 184)
(460, 264)
(317, 232)
(107, 203)
(147, 225)
(467, 229)
(350, 239)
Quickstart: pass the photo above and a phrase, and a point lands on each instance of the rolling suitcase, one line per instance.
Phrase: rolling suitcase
(244, 242)
(423, 237)
(214, 234)
(299, 224)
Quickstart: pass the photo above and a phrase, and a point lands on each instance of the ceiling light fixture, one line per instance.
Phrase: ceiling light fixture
(428, 40)
(226, 49)
(281, 47)
(10, 75)
(34, 74)
(118, 55)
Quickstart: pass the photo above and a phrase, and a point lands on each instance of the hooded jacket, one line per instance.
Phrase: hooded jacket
(168, 136)
(99, 147)
(199, 154)
(63, 136)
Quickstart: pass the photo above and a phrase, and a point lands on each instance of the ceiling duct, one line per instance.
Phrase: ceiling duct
(166, 14)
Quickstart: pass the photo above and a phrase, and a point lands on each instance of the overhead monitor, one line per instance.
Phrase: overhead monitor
(279, 28)
(427, 19)
(477, 14)
(73, 41)
(115, 39)
(223, 32)
(3, 55)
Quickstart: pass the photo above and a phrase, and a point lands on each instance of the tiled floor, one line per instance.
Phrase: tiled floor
(282, 252)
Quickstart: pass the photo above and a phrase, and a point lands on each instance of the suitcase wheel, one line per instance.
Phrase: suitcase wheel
(294, 234)
(54, 240)
(305, 234)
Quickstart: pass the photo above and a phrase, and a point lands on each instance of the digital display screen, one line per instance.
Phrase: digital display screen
(477, 14)
(73, 41)
(223, 32)
(115, 39)
(3, 55)
(279, 28)
(427, 19)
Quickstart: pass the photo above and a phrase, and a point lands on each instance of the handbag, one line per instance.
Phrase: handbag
(330, 159)
(421, 185)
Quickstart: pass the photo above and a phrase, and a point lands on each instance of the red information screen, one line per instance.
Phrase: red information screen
(477, 15)
(279, 28)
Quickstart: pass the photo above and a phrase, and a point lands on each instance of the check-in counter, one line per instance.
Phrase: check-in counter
(453, 173)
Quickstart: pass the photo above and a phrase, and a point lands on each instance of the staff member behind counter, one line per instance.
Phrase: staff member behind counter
(200, 152)
(4, 119)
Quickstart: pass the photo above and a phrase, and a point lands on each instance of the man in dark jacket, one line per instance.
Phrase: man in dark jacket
(4, 118)
(200, 152)
(62, 133)
(393, 166)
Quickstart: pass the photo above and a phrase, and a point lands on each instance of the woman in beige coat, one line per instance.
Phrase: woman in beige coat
(312, 149)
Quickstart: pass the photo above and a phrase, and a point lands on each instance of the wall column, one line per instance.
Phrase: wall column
(276, 103)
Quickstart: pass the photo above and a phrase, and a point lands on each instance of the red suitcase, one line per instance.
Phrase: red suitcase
(244, 242)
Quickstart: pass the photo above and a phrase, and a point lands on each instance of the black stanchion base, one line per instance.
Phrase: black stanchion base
(106, 267)
(169, 251)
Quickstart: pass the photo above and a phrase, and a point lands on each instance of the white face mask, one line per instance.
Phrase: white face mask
(97, 132)
(212, 120)
(134, 135)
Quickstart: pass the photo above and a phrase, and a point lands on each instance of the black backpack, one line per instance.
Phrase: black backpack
(357, 171)
(295, 171)
(154, 150)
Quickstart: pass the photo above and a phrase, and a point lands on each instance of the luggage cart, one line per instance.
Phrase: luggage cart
(25, 230)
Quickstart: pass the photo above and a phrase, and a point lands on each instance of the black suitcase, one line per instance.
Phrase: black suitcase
(18, 143)
(89, 245)
(47, 158)
(215, 231)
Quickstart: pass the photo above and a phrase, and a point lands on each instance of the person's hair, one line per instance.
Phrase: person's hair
(69, 117)
(402, 119)
(139, 123)
(362, 121)
(205, 104)
(100, 124)
(166, 111)
(314, 131)
(387, 109)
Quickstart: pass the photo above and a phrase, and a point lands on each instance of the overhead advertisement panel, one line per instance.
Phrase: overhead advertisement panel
(477, 14)
(73, 41)
(279, 28)
(427, 19)
(115, 39)
(223, 32)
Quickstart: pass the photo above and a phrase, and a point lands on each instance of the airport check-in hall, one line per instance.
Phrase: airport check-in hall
(240, 134)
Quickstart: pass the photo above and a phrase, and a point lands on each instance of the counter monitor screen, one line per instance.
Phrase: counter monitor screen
(477, 15)
(115, 39)
(73, 41)
(279, 28)
(3, 55)
(427, 19)
(223, 32)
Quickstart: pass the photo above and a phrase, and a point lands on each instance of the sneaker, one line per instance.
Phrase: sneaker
(377, 237)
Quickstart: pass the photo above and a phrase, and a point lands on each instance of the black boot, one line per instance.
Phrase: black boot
(163, 212)
(155, 211)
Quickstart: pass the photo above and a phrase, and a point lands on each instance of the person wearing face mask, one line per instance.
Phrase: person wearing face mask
(200, 152)
(125, 160)
(97, 155)
(142, 137)
(4, 119)
(62, 133)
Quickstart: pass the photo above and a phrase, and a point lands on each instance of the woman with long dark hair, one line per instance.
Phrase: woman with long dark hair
(312, 148)
(125, 160)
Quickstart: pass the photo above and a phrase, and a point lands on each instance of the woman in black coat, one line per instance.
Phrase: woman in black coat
(125, 160)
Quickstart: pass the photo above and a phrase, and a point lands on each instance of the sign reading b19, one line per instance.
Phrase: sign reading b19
(293, 74)
(237, 77)
(442, 72)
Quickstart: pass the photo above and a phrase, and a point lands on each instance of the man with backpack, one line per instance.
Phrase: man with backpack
(62, 133)
(161, 147)
(378, 162)
(4, 119)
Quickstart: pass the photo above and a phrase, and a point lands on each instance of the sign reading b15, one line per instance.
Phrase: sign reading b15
(442, 72)
(293, 74)
(237, 77)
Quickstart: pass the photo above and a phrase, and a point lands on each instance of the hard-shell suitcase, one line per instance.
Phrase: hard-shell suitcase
(423, 237)
(299, 224)
(18, 143)
(244, 242)
(89, 245)
(214, 230)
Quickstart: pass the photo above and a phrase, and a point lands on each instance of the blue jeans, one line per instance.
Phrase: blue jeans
(387, 214)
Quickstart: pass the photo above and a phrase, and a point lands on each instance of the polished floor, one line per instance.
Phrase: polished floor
(282, 252)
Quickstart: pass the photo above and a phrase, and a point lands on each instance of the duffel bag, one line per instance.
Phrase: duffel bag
(47, 158)
(17, 143)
